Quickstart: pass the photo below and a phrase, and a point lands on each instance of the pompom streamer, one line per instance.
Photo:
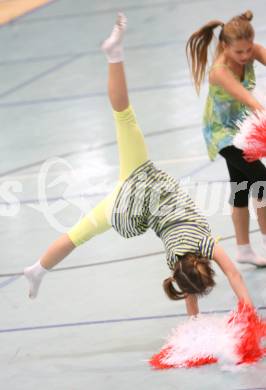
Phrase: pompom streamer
(206, 339)
(251, 137)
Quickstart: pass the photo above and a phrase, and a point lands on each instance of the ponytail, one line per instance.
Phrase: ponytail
(197, 51)
(171, 291)
(238, 27)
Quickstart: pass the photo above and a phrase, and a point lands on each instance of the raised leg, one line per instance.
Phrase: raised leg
(131, 144)
(132, 152)
(98, 220)
(113, 49)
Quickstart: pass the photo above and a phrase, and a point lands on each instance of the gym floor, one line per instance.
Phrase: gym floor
(102, 312)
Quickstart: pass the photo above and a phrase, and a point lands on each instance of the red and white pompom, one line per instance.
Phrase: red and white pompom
(251, 137)
(207, 339)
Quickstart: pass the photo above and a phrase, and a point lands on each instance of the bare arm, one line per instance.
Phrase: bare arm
(224, 78)
(260, 53)
(234, 277)
(192, 305)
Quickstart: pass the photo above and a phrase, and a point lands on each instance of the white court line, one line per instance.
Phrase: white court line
(85, 171)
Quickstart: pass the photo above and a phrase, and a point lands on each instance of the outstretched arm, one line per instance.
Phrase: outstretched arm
(260, 53)
(223, 77)
(192, 305)
(234, 277)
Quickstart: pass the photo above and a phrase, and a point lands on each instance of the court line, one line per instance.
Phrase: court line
(39, 201)
(10, 280)
(47, 72)
(99, 147)
(108, 10)
(90, 52)
(83, 171)
(29, 60)
(102, 194)
(73, 98)
(111, 321)
(13, 275)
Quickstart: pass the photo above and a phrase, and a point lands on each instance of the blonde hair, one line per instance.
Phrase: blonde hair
(239, 27)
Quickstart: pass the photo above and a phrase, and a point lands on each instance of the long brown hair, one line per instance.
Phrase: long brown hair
(239, 27)
(193, 275)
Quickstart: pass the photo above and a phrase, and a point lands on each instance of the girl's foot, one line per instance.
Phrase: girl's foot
(257, 260)
(34, 275)
(112, 46)
(246, 255)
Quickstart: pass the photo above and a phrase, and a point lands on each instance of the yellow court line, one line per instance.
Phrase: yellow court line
(11, 9)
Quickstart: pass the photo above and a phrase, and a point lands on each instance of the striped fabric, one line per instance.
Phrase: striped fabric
(150, 198)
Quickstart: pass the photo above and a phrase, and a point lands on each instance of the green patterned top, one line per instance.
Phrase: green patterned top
(221, 113)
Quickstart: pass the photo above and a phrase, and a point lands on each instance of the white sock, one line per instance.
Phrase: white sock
(245, 254)
(34, 275)
(245, 251)
(263, 239)
(112, 46)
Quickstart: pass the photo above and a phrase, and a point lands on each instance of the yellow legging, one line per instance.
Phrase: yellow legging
(132, 154)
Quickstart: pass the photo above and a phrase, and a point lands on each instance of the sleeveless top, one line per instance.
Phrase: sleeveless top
(222, 111)
(150, 198)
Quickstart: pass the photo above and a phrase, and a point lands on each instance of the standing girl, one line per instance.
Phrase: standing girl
(231, 80)
(146, 197)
